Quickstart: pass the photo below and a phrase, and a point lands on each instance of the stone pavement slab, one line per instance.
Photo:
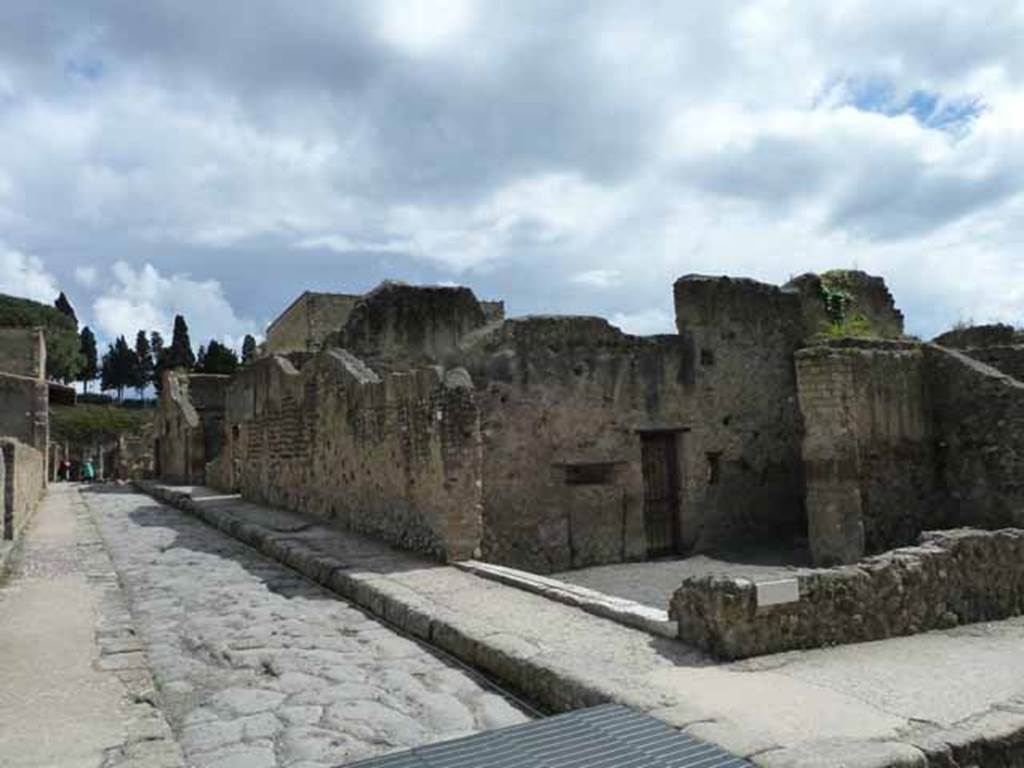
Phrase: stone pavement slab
(924, 700)
(258, 666)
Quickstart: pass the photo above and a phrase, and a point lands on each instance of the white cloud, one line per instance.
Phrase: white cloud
(420, 27)
(645, 322)
(25, 276)
(560, 145)
(145, 299)
(86, 276)
(597, 278)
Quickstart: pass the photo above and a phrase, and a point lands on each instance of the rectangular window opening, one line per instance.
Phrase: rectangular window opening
(598, 473)
(714, 467)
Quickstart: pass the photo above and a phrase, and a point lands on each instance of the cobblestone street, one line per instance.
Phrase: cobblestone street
(258, 667)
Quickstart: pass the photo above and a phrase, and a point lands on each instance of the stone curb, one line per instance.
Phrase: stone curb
(401, 607)
(617, 609)
(995, 740)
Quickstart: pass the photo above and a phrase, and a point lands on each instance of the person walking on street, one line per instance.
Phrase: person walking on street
(88, 473)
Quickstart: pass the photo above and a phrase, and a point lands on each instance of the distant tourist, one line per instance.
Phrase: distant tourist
(88, 473)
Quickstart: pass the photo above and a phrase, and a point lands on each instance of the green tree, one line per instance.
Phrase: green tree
(144, 365)
(217, 358)
(248, 349)
(64, 307)
(63, 359)
(90, 363)
(180, 355)
(159, 352)
(119, 367)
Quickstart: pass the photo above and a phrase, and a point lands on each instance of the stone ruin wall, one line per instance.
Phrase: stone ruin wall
(561, 400)
(24, 410)
(565, 398)
(872, 306)
(396, 455)
(397, 325)
(952, 577)
(867, 447)
(979, 417)
(23, 352)
(23, 480)
(743, 410)
(179, 440)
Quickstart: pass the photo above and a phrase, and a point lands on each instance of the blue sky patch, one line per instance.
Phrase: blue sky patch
(929, 108)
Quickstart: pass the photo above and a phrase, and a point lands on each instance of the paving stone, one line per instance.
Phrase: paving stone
(256, 676)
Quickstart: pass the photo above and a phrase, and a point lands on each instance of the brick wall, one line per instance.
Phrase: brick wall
(867, 447)
(395, 455)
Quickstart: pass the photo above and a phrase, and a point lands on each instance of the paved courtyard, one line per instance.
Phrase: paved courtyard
(652, 582)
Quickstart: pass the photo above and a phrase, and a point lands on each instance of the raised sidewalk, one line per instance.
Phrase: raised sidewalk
(950, 698)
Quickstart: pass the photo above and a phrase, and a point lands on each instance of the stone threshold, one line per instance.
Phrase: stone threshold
(617, 609)
(995, 737)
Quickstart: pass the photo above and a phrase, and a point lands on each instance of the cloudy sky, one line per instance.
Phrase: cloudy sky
(216, 158)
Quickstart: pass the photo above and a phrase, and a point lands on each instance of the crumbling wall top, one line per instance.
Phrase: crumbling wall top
(412, 322)
(992, 335)
(846, 302)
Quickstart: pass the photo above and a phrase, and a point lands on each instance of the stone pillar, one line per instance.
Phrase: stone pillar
(835, 516)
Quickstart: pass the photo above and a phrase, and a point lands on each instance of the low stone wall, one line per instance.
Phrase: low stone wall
(23, 480)
(953, 577)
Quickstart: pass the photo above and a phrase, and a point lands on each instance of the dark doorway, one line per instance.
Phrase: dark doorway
(661, 492)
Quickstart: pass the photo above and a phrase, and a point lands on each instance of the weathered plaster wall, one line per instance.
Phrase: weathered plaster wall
(24, 410)
(23, 482)
(979, 421)
(953, 577)
(23, 352)
(565, 402)
(742, 409)
(867, 447)
(395, 455)
(559, 393)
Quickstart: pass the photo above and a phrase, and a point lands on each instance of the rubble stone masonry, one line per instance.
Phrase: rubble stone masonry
(953, 577)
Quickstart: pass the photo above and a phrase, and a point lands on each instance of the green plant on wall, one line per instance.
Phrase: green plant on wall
(837, 296)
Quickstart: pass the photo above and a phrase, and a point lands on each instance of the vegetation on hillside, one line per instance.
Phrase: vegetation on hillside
(84, 424)
(63, 359)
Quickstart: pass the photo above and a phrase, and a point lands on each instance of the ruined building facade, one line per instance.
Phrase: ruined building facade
(423, 416)
(24, 426)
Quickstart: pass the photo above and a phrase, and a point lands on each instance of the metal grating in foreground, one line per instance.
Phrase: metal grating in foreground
(608, 736)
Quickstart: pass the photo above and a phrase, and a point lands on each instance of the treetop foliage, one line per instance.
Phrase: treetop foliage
(63, 358)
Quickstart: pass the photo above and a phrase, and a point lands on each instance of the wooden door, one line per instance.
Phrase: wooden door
(661, 492)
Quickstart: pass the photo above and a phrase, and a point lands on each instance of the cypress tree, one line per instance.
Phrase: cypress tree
(248, 349)
(90, 362)
(180, 354)
(144, 363)
(64, 307)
